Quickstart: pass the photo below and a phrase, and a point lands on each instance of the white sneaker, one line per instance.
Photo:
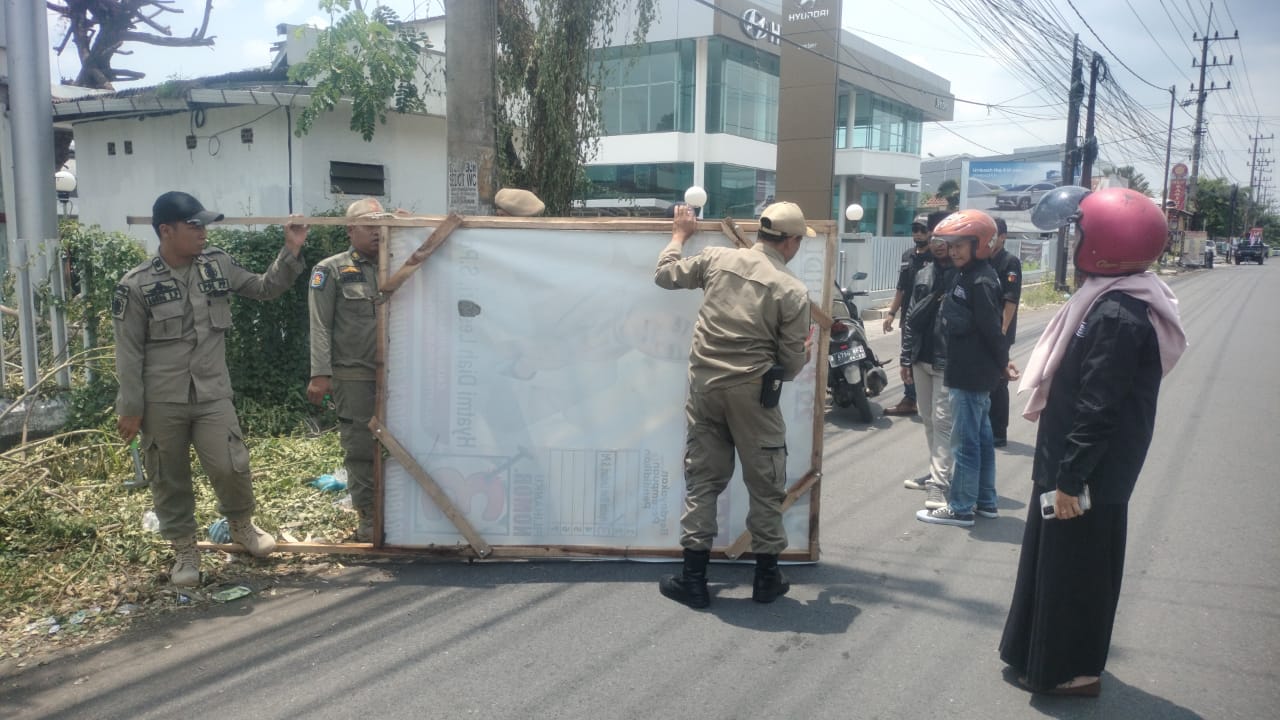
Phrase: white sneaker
(945, 516)
(934, 498)
(186, 565)
(255, 540)
(919, 483)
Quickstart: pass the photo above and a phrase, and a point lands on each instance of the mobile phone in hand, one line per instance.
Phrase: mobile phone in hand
(1047, 499)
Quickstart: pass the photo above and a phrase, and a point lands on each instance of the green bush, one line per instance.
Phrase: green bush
(268, 348)
(98, 260)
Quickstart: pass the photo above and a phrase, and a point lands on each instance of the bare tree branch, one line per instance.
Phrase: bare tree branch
(164, 29)
(194, 41)
(208, 8)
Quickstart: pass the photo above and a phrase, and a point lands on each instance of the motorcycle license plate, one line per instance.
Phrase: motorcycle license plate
(844, 357)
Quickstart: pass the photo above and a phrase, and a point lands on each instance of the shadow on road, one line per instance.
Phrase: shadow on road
(1118, 700)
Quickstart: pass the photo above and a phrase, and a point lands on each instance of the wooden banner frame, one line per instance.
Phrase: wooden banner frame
(476, 546)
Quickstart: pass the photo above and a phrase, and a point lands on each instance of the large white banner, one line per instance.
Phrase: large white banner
(539, 376)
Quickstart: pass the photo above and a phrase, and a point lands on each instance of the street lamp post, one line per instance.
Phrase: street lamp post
(64, 183)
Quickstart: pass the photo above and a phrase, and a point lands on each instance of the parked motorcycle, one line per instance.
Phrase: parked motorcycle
(854, 375)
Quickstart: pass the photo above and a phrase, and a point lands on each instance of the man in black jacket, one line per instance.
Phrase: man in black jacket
(1008, 269)
(923, 361)
(977, 358)
(913, 259)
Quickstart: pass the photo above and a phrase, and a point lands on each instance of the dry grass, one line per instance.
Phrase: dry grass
(74, 553)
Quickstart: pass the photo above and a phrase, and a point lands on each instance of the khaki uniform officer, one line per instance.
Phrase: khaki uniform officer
(171, 315)
(754, 316)
(343, 339)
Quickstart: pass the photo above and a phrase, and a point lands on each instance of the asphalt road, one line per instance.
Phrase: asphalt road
(898, 620)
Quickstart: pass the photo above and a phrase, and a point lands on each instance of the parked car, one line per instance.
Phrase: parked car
(1022, 197)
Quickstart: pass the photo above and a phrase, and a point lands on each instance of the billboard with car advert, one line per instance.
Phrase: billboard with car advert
(1008, 189)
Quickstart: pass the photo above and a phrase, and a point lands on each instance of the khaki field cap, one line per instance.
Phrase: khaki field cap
(784, 218)
(364, 206)
(520, 203)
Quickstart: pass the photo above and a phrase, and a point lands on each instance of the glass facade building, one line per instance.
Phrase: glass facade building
(700, 105)
(648, 89)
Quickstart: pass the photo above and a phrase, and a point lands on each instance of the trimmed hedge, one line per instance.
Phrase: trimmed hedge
(268, 348)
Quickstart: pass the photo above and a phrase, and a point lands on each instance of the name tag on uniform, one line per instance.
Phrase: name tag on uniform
(158, 293)
(351, 274)
(959, 292)
(212, 282)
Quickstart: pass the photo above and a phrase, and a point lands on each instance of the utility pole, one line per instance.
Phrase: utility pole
(1097, 71)
(471, 88)
(1198, 132)
(31, 115)
(1256, 167)
(1168, 150)
(1231, 216)
(1075, 95)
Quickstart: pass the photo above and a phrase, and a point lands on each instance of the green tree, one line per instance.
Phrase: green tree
(1213, 206)
(370, 59)
(1137, 181)
(949, 190)
(549, 119)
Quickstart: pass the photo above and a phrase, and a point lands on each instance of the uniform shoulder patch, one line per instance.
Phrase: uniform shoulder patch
(119, 301)
(318, 278)
(1012, 277)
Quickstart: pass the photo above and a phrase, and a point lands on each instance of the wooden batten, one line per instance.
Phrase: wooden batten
(419, 256)
(431, 488)
(381, 312)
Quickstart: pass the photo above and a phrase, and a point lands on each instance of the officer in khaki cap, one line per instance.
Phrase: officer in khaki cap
(750, 336)
(171, 315)
(343, 340)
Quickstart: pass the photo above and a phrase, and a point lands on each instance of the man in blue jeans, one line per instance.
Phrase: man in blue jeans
(977, 359)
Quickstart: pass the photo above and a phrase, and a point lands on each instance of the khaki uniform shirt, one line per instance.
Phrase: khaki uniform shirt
(343, 328)
(171, 326)
(755, 313)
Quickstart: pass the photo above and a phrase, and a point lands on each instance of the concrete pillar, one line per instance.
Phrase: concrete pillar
(471, 94)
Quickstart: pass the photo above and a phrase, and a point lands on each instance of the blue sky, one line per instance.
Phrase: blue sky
(1153, 37)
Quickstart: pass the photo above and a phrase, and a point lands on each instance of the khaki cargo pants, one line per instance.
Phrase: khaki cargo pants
(354, 403)
(169, 430)
(718, 421)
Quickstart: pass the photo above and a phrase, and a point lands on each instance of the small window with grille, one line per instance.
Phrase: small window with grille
(357, 178)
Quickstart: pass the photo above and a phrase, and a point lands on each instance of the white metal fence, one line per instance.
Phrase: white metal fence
(880, 257)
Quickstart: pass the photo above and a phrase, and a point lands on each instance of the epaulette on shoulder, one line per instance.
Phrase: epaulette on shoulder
(150, 264)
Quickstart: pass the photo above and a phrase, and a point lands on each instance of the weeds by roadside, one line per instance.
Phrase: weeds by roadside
(1041, 295)
(76, 561)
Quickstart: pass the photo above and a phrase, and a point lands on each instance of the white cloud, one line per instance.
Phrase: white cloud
(276, 11)
(255, 52)
(317, 21)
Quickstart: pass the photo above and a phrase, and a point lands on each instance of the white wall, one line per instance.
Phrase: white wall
(240, 179)
(411, 148)
(683, 147)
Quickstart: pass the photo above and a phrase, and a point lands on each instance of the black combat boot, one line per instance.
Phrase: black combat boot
(770, 584)
(690, 587)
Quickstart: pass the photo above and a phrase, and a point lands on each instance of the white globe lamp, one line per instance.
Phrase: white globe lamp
(64, 182)
(853, 212)
(695, 196)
